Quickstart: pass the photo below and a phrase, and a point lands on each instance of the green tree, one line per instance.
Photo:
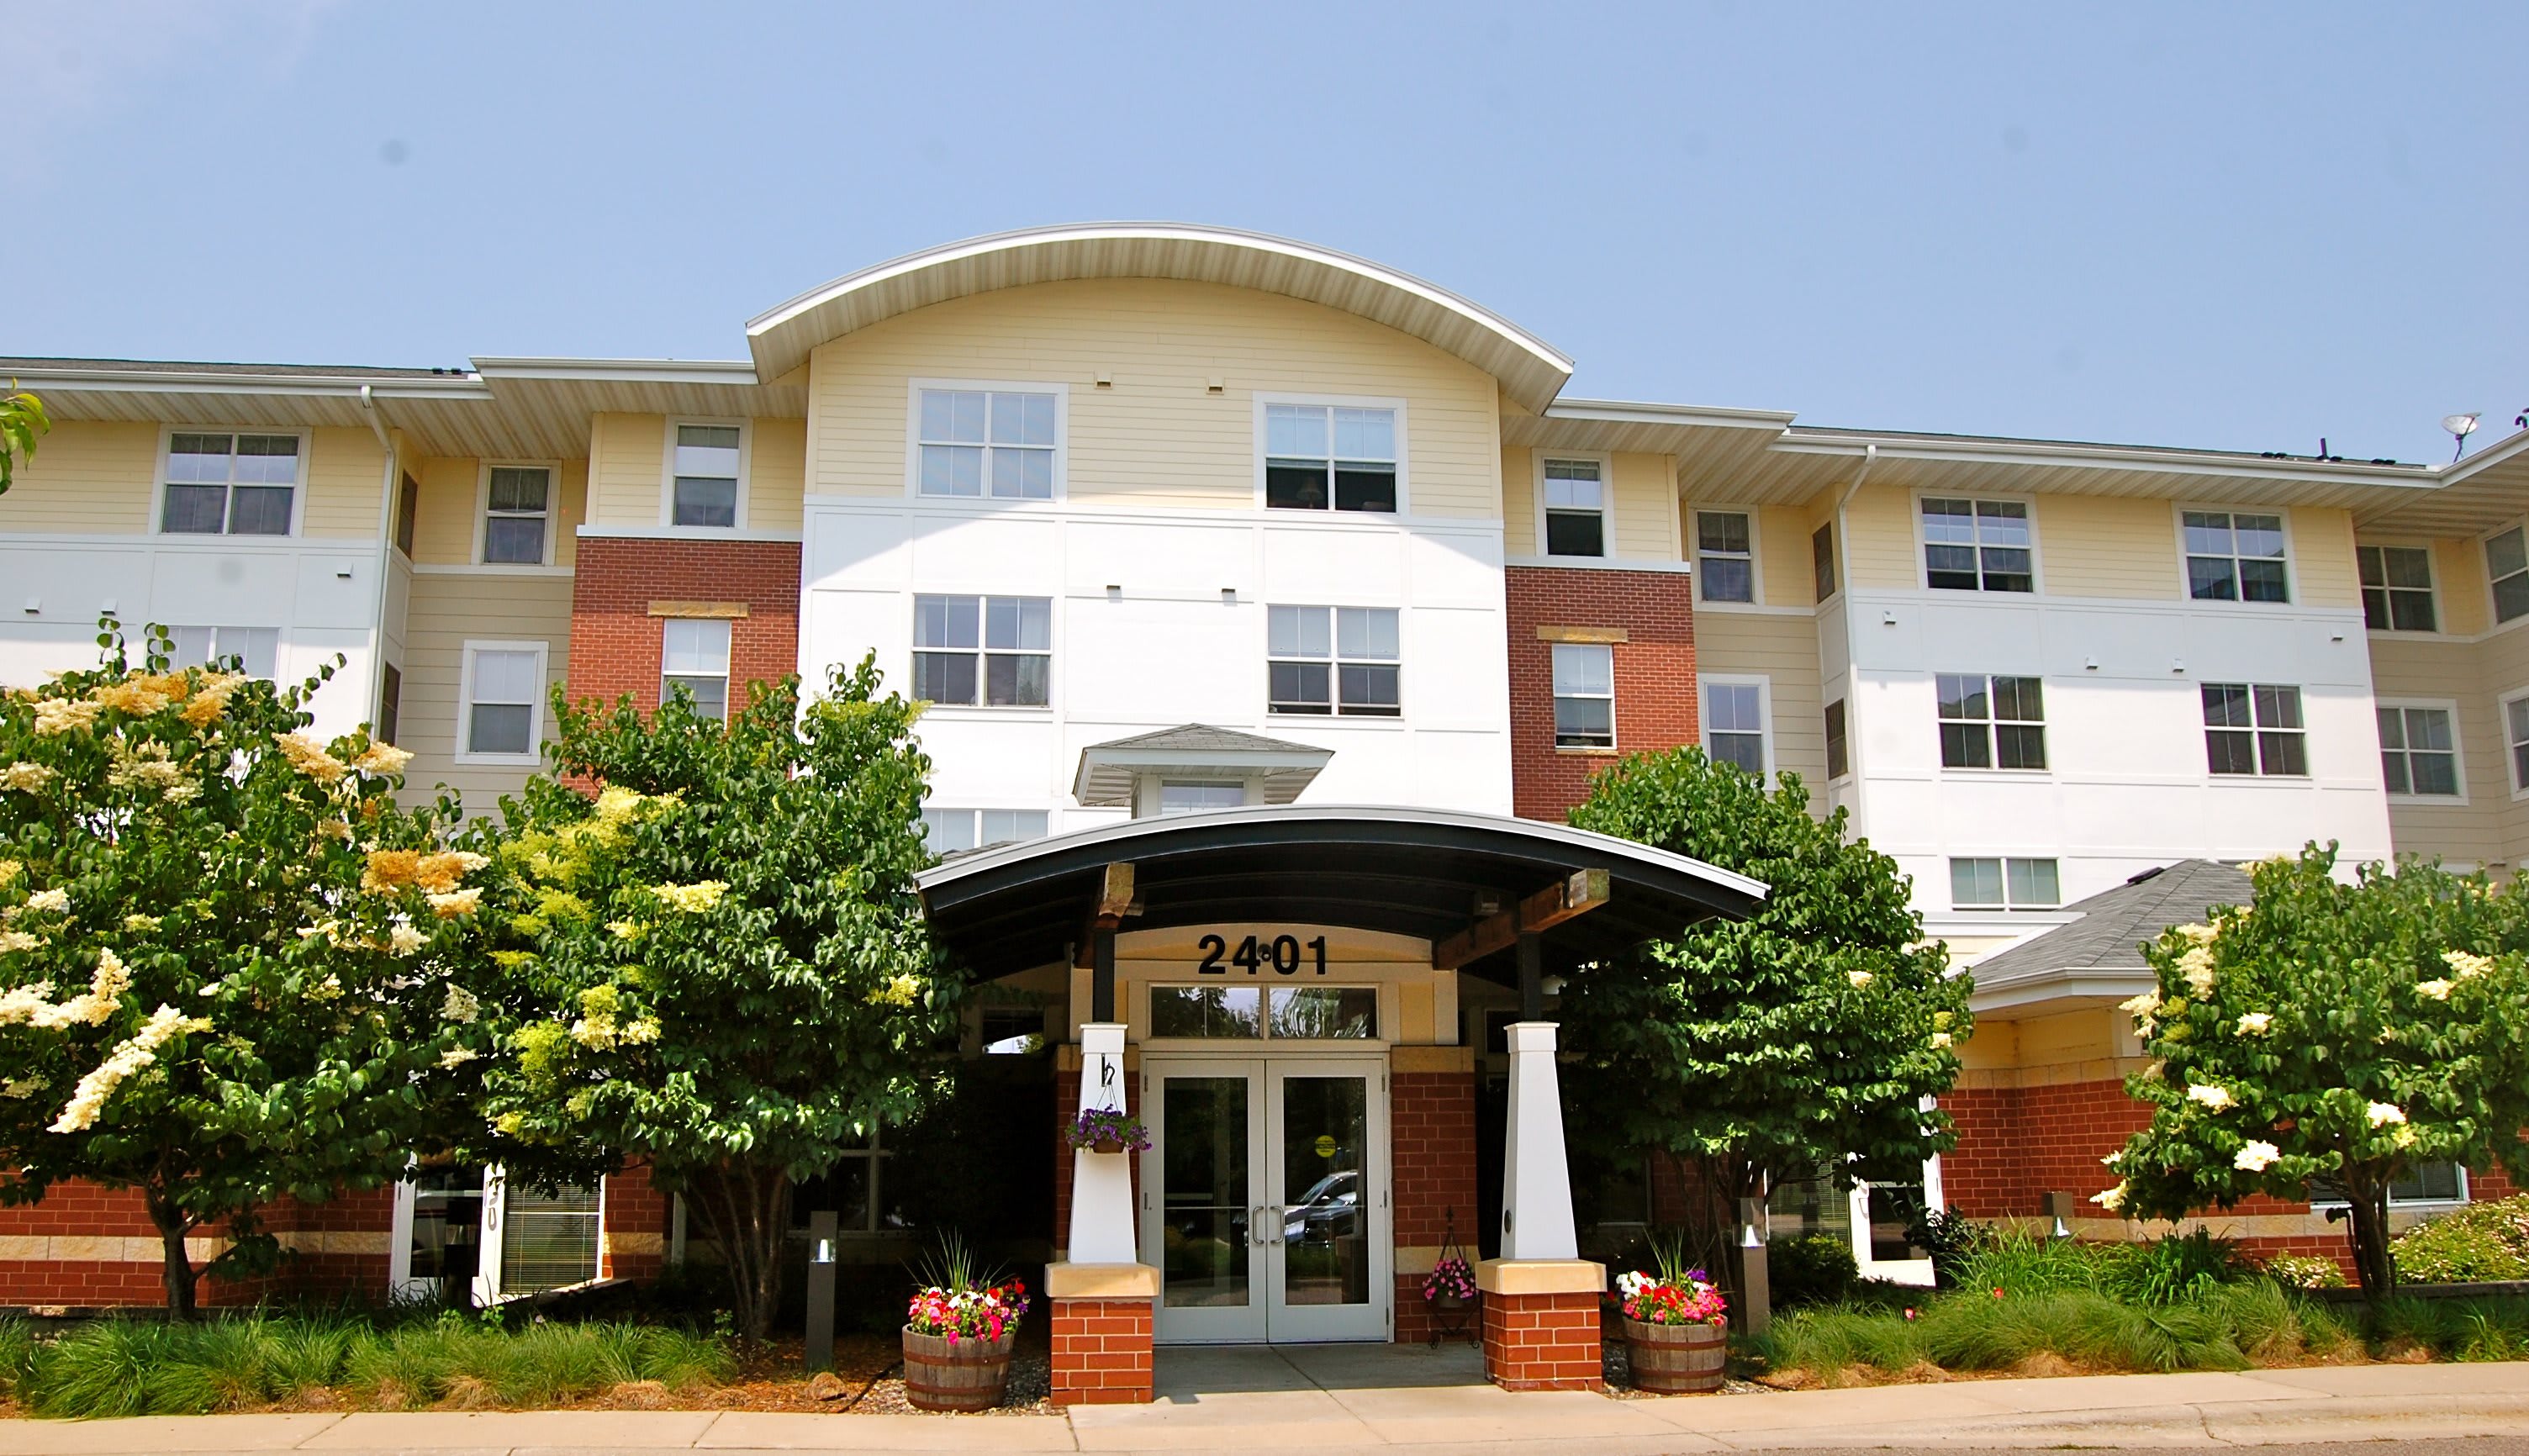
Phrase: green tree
(229, 962)
(1801, 1042)
(21, 419)
(720, 967)
(2343, 1032)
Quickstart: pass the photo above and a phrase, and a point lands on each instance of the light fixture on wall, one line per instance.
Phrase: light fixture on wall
(2460, 426)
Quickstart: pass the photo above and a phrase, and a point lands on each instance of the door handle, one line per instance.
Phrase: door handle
(1277, 1224)
(1256, 1226)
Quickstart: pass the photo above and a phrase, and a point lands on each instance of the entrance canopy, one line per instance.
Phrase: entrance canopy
(1473, 885)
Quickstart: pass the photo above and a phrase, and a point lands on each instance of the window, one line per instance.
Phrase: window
(854, 1190)
(2515, 722)
(517, 508)
(1978, 546)
(233, 485)
(407, 514)
(1332, 660)
(693, 656)
(1281, 1012)
(1196, 799)
(1734, 724)
(703, 490)
(2234, 558)
(1575, 507)
(548, 1240)
(390, 702)
(1010, 1031)
(255, 650)
(950, 831)
(1585, 695)
(2507, 565)
(2004, 885)
(996, 651)
(503, 692)
(997, 443)
(1839, 754)
(2432, 1183)
(2254, 729)
(1992, 723)
(2396, 588)
(1822, 560)
(1725, 556)
(1318, 456)
(2418, 753)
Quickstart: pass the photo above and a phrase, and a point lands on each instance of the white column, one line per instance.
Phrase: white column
(1102, 1183)
(1537, 1179)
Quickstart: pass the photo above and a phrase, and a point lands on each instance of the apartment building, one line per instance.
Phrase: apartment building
(1172, 522)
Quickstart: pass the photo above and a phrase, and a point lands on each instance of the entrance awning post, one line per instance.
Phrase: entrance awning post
(1101, 977)
(1537, 1180)
(1532, 976)
(1102, 1183)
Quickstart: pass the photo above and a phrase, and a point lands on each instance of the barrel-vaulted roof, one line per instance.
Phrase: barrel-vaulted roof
(1531, 370)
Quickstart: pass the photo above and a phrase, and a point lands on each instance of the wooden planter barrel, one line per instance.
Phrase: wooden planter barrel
(1675, 1359)
(959, 1375)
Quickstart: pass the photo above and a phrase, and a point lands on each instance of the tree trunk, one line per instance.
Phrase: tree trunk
(176, 1269)
(2367, 1224)
(746, 1211)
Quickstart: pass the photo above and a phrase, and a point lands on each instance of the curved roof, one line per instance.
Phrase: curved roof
(1531, 370)
(1413, 871)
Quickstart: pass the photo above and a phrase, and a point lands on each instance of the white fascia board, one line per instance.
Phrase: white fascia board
(622, 371)
(2105, 457)
(321, 386)
(2062, 990)
(1640, 412)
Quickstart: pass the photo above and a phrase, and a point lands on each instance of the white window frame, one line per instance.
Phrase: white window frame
(1404, 456)
(2292, 554)
(2458, 750)
(2466, 1195)
(974, 813)
(1992, 723)
(667, 473)
(553, 510)
(1555, 695)
(1061, 392)
(220, 650)
(2006, 903)
(728, 707)
(297, 495)
(1334, 660)
(2036, 547)
(536, 709)
(983, 598)
(2255, 729)
(1606, 464)
(1896, 1271)
(2495, 622)
(1755, 556)
(2432, 590)
(1765, 686)
(488, 1283)
(2511, 756)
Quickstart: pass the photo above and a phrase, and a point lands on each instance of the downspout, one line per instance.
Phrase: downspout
(386, 554)
(1844, 570)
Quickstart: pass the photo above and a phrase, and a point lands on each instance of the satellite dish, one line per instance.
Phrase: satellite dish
(2460, 426)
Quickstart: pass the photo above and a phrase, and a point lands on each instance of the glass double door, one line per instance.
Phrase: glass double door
(1265, 1199)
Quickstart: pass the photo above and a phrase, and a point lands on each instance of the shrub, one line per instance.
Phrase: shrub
(2481, 1241)
(2176, 1268)
(1814, 1271)
(2018, 1263)
(2306, 1271)
(1950, 1239)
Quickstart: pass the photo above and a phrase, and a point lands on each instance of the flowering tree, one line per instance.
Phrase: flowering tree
(2343, 1032)
(227, 957)
(719, 965)
(1805, 1039)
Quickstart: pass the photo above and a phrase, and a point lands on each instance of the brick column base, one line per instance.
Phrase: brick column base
(1542, 1322)
(1102, 1352)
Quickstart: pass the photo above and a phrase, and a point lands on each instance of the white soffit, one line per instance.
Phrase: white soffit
(1532, 371)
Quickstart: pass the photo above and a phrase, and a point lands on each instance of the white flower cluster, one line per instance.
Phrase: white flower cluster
(2256, 1023)
(33, 1005)
(2256, 1158)
(2217, 1098)
(2385, 1115)
(2113, 1198)
(89, 1099)
(693, 900)
(25, 777)
(2466, 965)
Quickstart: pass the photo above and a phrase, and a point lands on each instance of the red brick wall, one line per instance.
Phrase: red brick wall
(615, 641)
(1101, 1351)
(1431, 1119)
(1655, 695)
(634, 1208)
(1542, 1341)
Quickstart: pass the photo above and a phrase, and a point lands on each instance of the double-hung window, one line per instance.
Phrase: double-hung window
(1575, 507)
(1725, 556)
(517, 515)
(503, 696)
(1992, 723)
(2254, 729)
(2396, 588)
(1585, 695)
(2507, 565)
(992, 651)
(951, 831)
(2234, 557)
(1198, 797)
(1332, 660)
(2004, 885)
(1822, 560)
(1978, 545)
(1734, 724)
(693, 659)
(255, 650)
(2515, 729)
(1321, 457)
(997, 443)
(2418, 751)
(703, 487)
(230, 485)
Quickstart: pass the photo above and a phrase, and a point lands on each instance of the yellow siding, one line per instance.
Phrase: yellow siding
(571, 513)
(2073, 1036)
(2323, 542)
(1646, 496)
(626, 463)
(1156, 437)
(346, 483)
(443, 528)
(1782, 649)
(1786, 575)
(447, 612)
(2503, 672)
(776, 469)
(1879, 539)
(91, 478)
(1518, 501)
(2101, 546)
(2461, 597)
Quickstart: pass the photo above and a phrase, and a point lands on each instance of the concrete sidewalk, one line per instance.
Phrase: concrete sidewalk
(1317, 1400)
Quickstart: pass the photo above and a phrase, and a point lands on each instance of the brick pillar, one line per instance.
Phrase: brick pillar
(1431, 1140)
(1102, 1352)
(1542, 1322)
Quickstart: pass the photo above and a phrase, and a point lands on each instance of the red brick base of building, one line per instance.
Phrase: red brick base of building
(1542, 1341)
(1102, 1352)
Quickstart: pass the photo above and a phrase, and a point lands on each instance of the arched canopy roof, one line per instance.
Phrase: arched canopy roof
(1433, 874)
(1531, 370)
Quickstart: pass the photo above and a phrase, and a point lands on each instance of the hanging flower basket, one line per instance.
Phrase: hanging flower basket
(1450, 1287)
(1107, 1130)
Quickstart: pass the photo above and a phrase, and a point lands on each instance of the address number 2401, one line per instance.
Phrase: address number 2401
(1282, 952)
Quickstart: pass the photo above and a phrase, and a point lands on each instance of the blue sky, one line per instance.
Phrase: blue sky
(2230, 225)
